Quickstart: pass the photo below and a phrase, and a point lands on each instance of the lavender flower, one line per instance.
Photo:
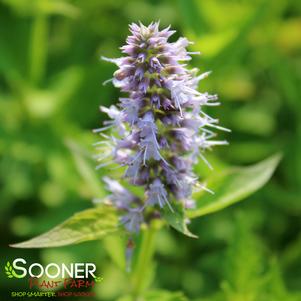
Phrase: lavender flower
(132, 220)
(121, 197)
(157, 195)
(160, 129)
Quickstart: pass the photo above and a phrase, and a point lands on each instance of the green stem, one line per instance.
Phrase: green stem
(144, 260)
(38, 48)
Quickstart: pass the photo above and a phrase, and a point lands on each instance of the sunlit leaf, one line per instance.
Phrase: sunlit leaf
(45, 103)
(90, 224)
(238, 42)
(35, 7)
(234, 185)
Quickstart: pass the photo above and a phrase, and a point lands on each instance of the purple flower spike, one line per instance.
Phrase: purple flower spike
(159, 129)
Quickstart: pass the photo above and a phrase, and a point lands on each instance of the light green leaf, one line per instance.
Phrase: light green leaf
(48, 7)
(86, 225)
(165, 296)
(8, 266)
(238, 41)
(98, 279)
(158, 295)
(115, 246)
(85, 169)
(177, 219)
(234, 185)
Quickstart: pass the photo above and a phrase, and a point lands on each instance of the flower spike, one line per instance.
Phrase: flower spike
(160, 129)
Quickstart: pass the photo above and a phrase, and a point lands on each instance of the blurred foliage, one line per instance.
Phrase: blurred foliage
(50, 90)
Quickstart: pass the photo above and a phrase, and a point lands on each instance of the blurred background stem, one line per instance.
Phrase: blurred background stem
(38, 48)
(144, 260)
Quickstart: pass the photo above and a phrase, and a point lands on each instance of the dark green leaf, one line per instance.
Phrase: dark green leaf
(192, 16)
(177, 219)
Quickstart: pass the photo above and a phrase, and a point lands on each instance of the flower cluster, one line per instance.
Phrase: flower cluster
(159, 127)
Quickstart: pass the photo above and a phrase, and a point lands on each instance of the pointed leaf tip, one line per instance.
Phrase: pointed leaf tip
(90, 224)
(178, 220)
(234, 185)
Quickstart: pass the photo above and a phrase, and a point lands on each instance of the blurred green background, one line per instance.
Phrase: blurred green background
(50, 90)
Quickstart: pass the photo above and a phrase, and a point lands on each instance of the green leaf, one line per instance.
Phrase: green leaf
(85, 169)
(193, 17)
(165, 296)
(243, 262)
(48, 7)
(234, 185)
(90, 224)
(235, 45)
(115, 247)
(158, 295)
(176, 219)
